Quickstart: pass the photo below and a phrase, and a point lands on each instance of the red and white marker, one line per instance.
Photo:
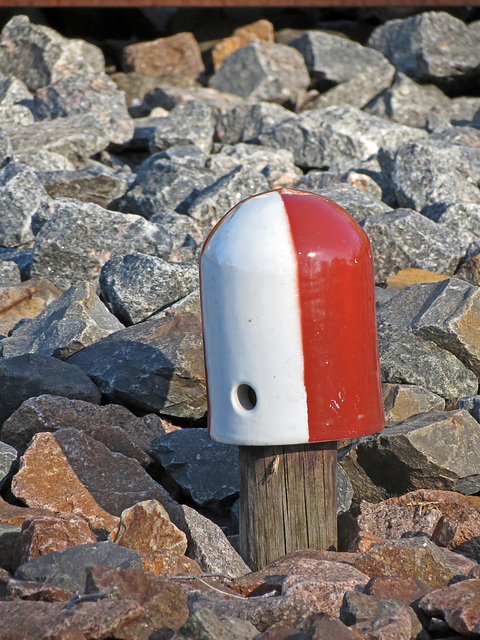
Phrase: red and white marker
(288, 306)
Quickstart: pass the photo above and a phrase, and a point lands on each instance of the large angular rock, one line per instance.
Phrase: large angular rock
(457, 604)
(399, 238)
(332, 59)
(135, 285)
(96, 95)
(39, 55)
(31, 375)
(69, 472)
(74, 320)
(409, 359)
(243, 122)
(401, 401)
(205, 624)
(67, 569)
(263, 71)
(430, 47)
(370, 616)
(463, 218)
(21, 193)
(156, 365)
(117, 427)
(188, 457)
(189, 123)
(428, 451)
(444, 312)
(25, 300)
(80, 237)
(259, 30)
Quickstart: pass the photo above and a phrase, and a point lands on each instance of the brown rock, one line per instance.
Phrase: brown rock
(458, 605)
(178, 54)
(69, 472)
(470, 271)
(43, 534)
(280, 631)
(323, 584)
(25, 300)
(12, 514)
(404, 400)
(272, 576)
(405, 589)
(444, 501)
(33, 590)
(168, 562)
(364, 541)
(51, 413)
(146, 528)
(391, 521)
(406, 277)
(417, 557)
(327, 627)
(259, 30)
(389, 626)
(25, 620)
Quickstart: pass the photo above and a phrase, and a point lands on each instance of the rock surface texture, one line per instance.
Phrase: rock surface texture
(119, 516)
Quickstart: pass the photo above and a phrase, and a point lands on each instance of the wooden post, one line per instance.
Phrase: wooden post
(288, 500)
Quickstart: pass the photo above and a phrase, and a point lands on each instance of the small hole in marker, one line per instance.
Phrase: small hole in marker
(246, 397)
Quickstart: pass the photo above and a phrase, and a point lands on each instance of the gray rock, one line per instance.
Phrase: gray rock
(207, 544)
(136, 285)
(184, 155)
(67, 569)
(401, 401)
(368, 615)
(188, 457)
(263, 71)
(344, 491)
(445, 312)
(43, 160)
(162, 185)
(275, 164)
(437, 450)
(408, 359)
(332, 59)
(21, 193)
(183, 230)
(399, 238)
(409, 103)
(39, 55)
(189, 123)
(74, 320)
(144, 132)
(98, 184)
(31, 375)
(9, 273)
(424, 173)
(430, 47)
(463, 218)
(246, 121)
(218, 198)
(206, 624)
(382, 295)
(337, 138)
(21, 257)
(9, 536)
(95, 95)
(79, 237)
(8, 459)
(156, 365)
(76, 136)
(15, 101)
(470, 404)
(357, 202)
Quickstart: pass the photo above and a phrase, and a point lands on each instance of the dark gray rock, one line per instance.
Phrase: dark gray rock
(463, 218)
(430, 47)
(79, 237)
(21, 193)
(409, 359)
(67, 569)
(162, 185)
(9, 273)
(218, 198)
(188, 457)
(190, 122)
(382, 296)
(184, 155)
(156, 365)
(263, 71)
(368, 614)
(21, 257)
(206, 624)
(9, 536)
(144, 132)
(470, 404)
(409, 103)
(344, 491)
(98, 184)
(74, 320)
(39, 55)
(32, 375)
(246, 121)
(399, 239)
(332, 59)
(436, 450)
(76, 136)
(357, 202)
(445, 312)
(96, 95)
(183, 230)
(136, 285)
